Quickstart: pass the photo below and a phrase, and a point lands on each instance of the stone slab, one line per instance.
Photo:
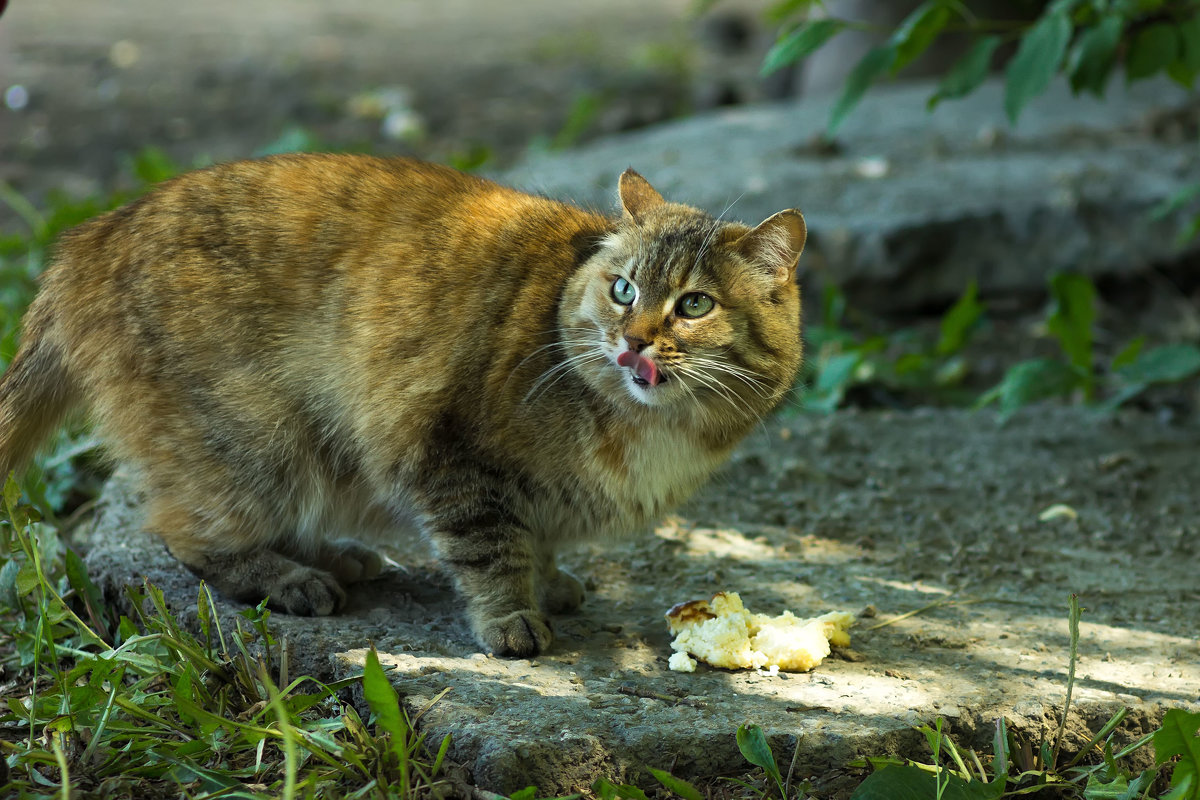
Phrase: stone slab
(912, 205)
(877, 513)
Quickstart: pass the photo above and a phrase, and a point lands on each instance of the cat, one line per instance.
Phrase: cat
(291, 350)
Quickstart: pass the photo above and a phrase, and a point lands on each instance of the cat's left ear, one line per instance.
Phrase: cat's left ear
(775, 245)
(637, 196)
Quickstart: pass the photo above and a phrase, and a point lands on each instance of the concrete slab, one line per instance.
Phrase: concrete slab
(880, 514)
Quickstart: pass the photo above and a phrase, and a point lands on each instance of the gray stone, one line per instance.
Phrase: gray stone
(874, 513)
(915, 204)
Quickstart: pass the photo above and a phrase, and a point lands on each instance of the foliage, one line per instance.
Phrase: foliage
(1024, 767)
(141, 707)
(1084, 39)
(1071, 323)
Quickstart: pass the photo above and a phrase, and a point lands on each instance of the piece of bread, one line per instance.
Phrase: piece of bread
(723, 633)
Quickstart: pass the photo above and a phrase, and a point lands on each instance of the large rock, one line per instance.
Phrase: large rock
(912, 205)
(880, 514)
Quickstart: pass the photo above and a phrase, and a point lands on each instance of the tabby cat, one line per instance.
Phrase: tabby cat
(292, 350)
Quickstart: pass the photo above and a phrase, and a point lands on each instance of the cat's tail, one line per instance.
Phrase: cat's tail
(36, 392)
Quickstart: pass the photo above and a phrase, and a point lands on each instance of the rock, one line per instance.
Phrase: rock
(913, 205)
(991, 641)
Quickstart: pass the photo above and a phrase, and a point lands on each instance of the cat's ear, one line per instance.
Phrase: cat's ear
(775, 245)
(637, 196)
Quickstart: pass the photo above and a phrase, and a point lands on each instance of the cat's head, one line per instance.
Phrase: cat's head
(680, 310)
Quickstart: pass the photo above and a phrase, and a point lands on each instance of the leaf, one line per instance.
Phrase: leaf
(1189, 43)
(781, 10)
(959, 321)
(606, 790)
(384, 703)
(1070, 321)
(800, 43)
(1129, 353)
(876, 62)
(918, 30)
(1178, 737)
(1037, 60)
(676, 785)
(1169, 363)
(1152, 49)
(1092, 57)
(528, 793)
(753, 744)
(1029, 381)
(915, 783)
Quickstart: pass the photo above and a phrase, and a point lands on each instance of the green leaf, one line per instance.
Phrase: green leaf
(1178, 738)
(1129, 353)
(1169, 363)
(783, 9)
(1152, 49)
(606, 790)
(528, 793)
(384, 703)
(753, 744)
(1092, 58)
(968, 73)
(915, 783)
(676, 786)
(1071, 319)
(1189, 43)
(875, 63)
(959, 321)
(800, 43)
(1029, 381)
(1037, 60)
(918, 30)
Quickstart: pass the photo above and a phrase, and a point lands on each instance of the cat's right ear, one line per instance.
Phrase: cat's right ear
(637, 196)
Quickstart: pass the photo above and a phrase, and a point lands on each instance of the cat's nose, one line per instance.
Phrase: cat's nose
(636, 343)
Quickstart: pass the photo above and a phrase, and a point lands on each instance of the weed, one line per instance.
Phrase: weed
(1024, 767)
(117, 706)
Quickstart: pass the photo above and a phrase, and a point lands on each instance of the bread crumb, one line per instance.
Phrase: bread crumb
(723, 633)
(681, 662)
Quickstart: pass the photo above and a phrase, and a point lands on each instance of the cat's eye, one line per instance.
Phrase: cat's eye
(623, 292)
(694, 305)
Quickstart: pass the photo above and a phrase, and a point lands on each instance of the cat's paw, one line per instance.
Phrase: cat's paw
(307, 592)
(562, 593)
(521, 634)
(350, 561)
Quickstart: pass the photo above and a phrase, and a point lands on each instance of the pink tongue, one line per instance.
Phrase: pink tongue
(644, 368)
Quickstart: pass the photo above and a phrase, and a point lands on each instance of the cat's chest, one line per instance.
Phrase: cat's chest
(647, 472)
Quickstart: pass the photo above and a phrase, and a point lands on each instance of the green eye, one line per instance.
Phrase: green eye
(623, 291)
(693, 305)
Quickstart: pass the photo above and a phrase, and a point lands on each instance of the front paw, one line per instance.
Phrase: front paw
(521, 634)
(562, 593)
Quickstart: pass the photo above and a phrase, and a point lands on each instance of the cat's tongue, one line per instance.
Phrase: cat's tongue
(644, 368)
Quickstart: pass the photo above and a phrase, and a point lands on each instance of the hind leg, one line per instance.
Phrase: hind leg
(348, 560)
(231, 555)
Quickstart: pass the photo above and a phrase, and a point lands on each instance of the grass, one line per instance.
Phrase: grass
(1027, 768)
(137, 706)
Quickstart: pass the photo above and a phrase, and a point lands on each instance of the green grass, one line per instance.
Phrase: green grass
(115, 706)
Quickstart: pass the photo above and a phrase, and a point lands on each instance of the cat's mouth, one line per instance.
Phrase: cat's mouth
(645, 371)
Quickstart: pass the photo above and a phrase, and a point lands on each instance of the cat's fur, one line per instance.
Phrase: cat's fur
(292, 350)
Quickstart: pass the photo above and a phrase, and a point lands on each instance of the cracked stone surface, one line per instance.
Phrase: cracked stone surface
(876, 513)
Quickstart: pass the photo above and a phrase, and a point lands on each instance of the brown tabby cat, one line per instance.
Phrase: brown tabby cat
(296, 349)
